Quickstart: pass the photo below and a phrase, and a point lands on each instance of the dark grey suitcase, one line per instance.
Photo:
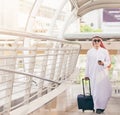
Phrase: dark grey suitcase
(85, 101)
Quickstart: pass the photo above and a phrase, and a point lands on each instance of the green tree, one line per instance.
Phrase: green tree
(87, 28)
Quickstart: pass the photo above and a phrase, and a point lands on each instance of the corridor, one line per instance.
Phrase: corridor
(66, 104)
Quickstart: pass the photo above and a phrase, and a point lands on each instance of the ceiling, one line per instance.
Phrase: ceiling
(85, 6)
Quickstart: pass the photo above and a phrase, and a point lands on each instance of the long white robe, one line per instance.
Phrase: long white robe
(100, 85)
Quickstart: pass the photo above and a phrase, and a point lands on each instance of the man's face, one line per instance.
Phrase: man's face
(96, 42)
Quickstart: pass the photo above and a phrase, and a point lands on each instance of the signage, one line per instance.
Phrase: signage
(111, 15)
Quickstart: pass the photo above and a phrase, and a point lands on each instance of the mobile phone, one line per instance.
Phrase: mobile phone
(99, 61)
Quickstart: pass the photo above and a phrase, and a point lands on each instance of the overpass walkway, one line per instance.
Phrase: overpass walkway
(66, 104)
(42, 69)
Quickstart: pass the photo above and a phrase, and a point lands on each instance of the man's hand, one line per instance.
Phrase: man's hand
(100, 62)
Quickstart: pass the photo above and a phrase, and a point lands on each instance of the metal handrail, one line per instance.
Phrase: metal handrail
(34, 35)
(28, 74)
(48, 65)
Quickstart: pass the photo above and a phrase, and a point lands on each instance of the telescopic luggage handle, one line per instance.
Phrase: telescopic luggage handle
(83, 79)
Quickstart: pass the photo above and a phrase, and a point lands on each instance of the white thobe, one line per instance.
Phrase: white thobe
(100, 85)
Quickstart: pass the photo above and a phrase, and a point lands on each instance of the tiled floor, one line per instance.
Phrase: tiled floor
(66, 104)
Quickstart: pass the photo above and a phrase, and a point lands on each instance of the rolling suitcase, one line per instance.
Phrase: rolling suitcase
(85, 101)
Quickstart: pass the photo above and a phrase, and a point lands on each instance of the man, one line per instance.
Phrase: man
(98, 61)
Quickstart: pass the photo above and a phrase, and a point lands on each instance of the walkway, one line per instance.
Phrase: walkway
(66, 104)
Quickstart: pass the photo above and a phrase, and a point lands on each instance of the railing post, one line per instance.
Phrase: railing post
(53, 64)
(43, 72)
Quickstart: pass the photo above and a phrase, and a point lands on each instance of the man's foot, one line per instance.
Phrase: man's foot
(99, 111)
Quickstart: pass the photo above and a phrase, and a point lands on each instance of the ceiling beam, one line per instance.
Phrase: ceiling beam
(97, 4)
(89, 35)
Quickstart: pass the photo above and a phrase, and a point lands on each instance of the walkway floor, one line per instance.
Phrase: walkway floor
(66, 104)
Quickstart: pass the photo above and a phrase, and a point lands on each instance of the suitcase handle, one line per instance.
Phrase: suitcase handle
(84, 86)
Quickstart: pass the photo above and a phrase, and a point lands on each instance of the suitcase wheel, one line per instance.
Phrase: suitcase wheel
(83, 110)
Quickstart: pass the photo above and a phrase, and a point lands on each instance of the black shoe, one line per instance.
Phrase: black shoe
(102, 110)
(99, 111)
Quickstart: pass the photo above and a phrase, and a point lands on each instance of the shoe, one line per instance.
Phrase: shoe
(99, 111)
(102, 110)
